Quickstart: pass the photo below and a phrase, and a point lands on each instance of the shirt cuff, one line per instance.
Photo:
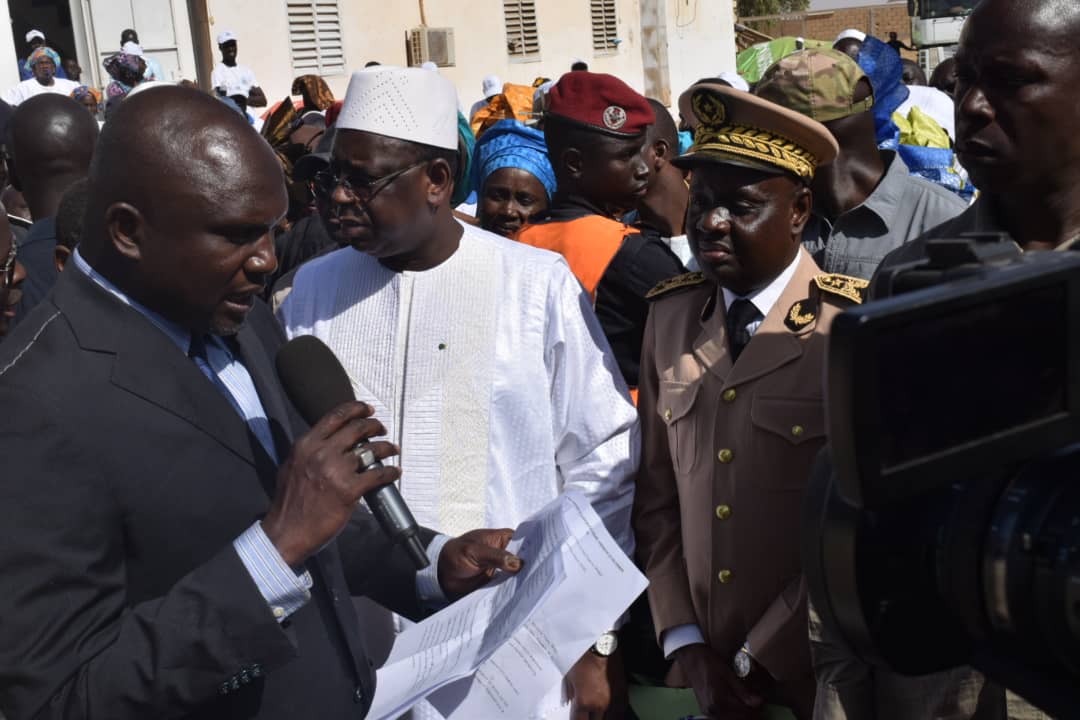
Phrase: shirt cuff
(427, 580)
(284, 590)
(679, 637)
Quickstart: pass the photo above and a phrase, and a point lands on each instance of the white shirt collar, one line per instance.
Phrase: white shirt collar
(766, 297)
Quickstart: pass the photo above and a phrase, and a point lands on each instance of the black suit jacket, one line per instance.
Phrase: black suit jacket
(126, 477)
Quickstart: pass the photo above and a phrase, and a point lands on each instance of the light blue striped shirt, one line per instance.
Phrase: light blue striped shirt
(284, 590)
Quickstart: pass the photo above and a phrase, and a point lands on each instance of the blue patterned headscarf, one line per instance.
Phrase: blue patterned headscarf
(38, 54)
(508, 143)
(882, 66)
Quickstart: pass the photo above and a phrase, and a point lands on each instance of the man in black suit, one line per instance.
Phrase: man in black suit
(157, 560)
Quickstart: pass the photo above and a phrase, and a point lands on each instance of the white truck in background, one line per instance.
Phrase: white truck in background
(935, 28)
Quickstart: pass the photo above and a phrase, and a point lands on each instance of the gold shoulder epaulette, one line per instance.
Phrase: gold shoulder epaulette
(854, 289)
(676, 283)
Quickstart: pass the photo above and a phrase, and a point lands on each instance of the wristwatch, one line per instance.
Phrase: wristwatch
(606, 645)
(744, 663)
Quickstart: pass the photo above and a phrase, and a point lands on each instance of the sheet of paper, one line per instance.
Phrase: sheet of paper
(523, 678)
(505, 646)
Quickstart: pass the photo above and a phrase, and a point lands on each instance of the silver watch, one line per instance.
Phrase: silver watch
(606, 645)
(744, 663)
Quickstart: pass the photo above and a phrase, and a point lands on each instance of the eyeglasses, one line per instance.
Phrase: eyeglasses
(7, 270)
(327, 181)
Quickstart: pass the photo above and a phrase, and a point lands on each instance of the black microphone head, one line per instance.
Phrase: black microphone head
(312, 377)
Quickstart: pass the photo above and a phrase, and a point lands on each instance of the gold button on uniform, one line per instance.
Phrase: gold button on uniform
(723, 512)
(730, 395)
(725, 576)
(667, 415)
(798, 431)
(725, 456)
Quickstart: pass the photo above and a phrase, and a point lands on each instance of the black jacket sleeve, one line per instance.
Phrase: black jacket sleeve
(641, 263)
(377, 568)
(71, 643)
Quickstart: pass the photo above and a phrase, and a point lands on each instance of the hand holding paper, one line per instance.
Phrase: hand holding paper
(497, 652)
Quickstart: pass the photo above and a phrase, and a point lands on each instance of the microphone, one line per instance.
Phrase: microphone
(316, 383)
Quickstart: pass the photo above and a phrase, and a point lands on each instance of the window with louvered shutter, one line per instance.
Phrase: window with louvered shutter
(315, 37)
(522, 40)
(604, 26)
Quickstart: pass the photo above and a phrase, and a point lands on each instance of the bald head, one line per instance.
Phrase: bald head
(1034, 20)
(51, 141)
(184, 200)
(168, 143)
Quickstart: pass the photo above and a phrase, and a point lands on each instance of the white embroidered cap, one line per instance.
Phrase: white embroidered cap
(851, 34)
(405, 103)
(35, 33)
(225, 36)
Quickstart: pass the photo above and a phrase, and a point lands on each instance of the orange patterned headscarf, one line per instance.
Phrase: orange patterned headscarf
(314, 88)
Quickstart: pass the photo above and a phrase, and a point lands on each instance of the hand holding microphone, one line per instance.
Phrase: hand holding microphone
(319, 485)
(333, 465)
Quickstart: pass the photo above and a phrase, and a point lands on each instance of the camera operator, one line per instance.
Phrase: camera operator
(1015, 113)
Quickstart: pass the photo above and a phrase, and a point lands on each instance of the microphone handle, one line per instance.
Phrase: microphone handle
(396, 520)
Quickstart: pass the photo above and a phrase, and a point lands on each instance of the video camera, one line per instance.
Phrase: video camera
(947, 530)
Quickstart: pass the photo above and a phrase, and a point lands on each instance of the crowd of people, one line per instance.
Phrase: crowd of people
(571, 287)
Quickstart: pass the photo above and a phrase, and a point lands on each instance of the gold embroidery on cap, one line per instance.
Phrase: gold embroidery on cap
(755, 144)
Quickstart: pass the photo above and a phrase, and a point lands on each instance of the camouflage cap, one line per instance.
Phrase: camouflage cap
(733, 127)
(821, 84)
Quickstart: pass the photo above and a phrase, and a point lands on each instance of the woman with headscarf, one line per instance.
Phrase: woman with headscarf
(314, 92)
(126, 70)
(513, 177)
(43, 61)
(88, 97)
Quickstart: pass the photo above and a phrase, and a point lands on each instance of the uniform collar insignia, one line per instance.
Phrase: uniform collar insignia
(799, 317)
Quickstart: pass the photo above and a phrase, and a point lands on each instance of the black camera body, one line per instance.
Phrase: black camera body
(946, 530)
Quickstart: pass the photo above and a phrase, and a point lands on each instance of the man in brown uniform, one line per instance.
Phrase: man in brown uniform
(732, 409)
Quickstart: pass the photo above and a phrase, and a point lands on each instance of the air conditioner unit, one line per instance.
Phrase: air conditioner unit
(431, 45)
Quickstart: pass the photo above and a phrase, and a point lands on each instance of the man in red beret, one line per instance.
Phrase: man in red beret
(595, 129)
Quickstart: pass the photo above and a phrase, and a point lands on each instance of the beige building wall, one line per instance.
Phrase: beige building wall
(262, 29)
(683, 41)
(376, 30)
(876, 20)
(701, 41)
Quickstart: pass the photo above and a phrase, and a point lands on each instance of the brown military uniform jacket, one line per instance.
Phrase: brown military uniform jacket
(727, 451)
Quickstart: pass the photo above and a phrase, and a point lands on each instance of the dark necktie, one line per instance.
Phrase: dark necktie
(197, 353)
(740, 316)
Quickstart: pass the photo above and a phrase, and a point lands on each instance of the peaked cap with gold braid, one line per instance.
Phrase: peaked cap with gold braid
(736, 128)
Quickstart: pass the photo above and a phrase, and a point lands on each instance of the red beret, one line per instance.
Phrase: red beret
(601, 102)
